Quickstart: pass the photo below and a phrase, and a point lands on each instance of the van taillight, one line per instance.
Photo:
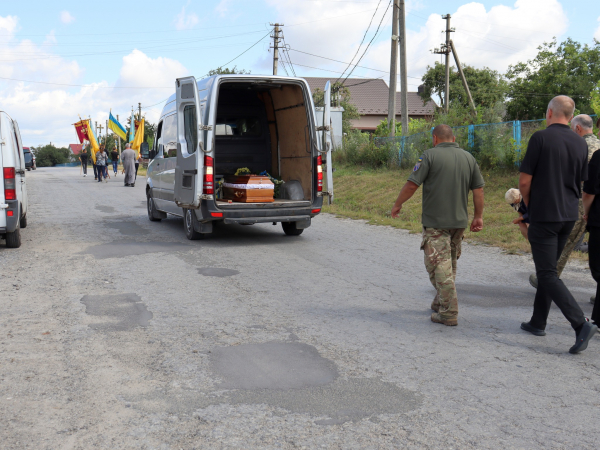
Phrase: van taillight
(209, 180)
(319, 174)
(10, 188)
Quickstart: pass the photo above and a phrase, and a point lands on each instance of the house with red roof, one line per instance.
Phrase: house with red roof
(370, 96)
(75, 149)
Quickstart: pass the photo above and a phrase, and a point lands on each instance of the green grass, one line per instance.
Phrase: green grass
(369, 194)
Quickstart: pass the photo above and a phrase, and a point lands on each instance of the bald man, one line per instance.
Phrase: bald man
(583, 125)
(552, 173)
(447, 174)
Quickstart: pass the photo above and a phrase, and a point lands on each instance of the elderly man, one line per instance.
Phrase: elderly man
(552, 173)
(583, 125)
(447, 173)
(128, 159)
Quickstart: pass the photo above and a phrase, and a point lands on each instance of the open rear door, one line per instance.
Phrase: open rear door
(327, 142)
(188, 171)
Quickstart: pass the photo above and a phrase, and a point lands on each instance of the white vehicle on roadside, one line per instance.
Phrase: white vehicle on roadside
(13, 188)
(210, 128)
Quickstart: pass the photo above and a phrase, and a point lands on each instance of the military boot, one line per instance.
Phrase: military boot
(435, 304)
(451, 322)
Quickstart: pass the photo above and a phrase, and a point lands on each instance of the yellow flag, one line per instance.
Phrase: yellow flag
(138, 139)
(92, 139)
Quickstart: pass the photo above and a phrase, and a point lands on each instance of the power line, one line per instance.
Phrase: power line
(370, 42)
(229, 62)
(361, 42)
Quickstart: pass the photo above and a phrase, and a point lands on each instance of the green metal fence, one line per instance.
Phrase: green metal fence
(494, 145)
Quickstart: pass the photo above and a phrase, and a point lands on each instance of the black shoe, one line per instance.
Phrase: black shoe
(584, 336)
(127, 184)
(526, 326)
(132, 185)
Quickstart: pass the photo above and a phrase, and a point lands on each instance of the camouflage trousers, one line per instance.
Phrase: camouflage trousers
(442, 249)
(572, 240)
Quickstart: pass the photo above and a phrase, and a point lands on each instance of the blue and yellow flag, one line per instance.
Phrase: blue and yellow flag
(91, 133)
(132, 128)
(116, 127)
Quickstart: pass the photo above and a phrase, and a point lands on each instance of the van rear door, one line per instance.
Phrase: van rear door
(327, 142)
(21, 170)
(190, 162)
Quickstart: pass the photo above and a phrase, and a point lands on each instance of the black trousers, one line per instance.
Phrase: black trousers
(547, 241)
(84, 165)
(594, 252)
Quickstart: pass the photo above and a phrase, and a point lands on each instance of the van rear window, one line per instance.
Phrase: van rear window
(238, 126)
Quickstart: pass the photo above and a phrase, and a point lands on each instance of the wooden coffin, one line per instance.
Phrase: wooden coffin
(248, 189)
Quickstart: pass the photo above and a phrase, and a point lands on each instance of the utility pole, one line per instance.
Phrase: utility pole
(393, 71)
(462, 77)
(99, 127)
(275, 47)
(445, 50)
(403, 70)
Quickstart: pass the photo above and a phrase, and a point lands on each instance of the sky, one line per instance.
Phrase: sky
(62, 60)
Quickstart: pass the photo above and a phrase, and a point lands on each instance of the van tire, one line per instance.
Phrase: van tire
(13, 240)
(153, 214)
(188, 225)
(290, 229)
(23, 222)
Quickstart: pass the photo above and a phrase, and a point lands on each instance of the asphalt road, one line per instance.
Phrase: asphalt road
(117, 332)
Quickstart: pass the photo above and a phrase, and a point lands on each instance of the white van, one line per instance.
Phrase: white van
(210, 128)
(13, 192)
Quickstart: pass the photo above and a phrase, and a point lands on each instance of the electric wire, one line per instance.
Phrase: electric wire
(253, 45)
(370, 42)
(362, 41)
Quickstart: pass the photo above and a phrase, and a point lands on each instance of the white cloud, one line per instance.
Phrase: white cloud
(223, 7)
(597, 33)
(495, 38)
(66, 17)
(185, 20)
(45, 112)
(9, 23)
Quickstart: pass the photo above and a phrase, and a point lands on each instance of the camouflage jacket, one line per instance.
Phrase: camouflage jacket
(593, 144)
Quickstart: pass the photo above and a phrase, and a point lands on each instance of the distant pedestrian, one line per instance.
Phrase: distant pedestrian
(83, 157)
(583, 125)
(552, 173)
(447, 174)
(114, 157)
(137, 164)
(128, 160)
(101, 160)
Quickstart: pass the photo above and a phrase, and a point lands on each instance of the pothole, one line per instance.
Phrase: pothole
(217, 272)
(120, 312)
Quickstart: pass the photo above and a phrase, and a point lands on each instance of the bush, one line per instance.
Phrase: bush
(360, 149)
(49, 155)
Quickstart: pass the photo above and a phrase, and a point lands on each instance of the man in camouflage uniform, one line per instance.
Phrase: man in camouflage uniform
(447, 174)
(583, 126)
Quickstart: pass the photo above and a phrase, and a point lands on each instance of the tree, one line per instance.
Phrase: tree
(340, 95)
(487, 86)
(567, 68)
(226, 71)
(49, 155)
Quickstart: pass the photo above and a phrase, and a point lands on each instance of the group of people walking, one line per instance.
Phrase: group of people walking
(559, 191)
(104, 160)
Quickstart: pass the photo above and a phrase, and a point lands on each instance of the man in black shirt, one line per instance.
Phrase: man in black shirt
(591, 206)
(552, 173)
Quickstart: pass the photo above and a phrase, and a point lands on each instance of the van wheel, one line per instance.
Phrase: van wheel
(290, 229)
(13, 240)
(23, 222)
(188, 225)
(153, 214)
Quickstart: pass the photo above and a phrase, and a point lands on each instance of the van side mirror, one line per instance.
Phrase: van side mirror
(152, 154)
(144, 150)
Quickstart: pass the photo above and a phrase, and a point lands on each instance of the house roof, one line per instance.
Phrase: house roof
(370, 95)
(75, 148)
